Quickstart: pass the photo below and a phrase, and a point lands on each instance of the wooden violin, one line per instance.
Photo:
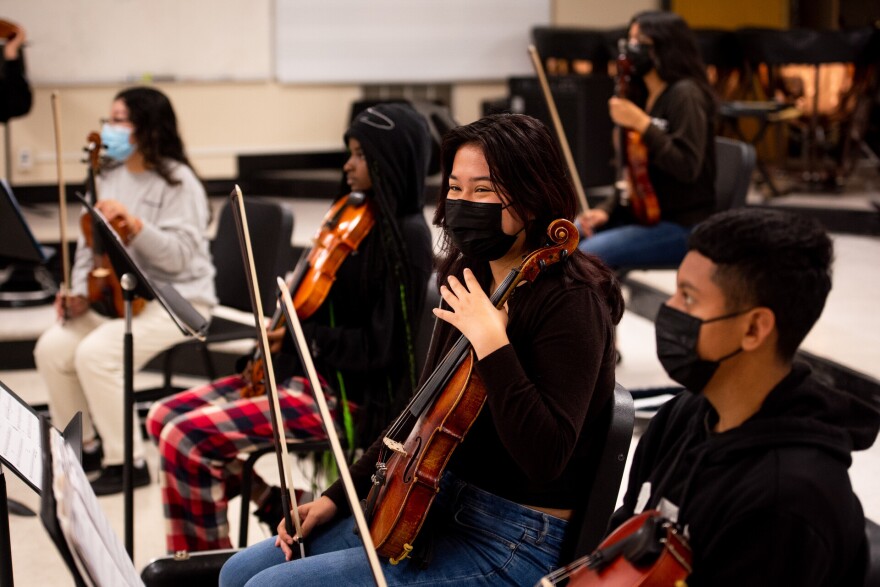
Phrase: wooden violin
(104, 290)
(632, 155)
(647, 550)
(344, 227)
(420, 442)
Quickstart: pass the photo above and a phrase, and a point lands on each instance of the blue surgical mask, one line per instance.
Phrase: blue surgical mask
(116, 142)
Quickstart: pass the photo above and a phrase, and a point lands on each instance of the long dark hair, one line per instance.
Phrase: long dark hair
(677, 55)
(527, 167)
(155, 129)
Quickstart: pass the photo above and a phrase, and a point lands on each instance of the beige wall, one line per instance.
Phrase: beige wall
(220, 120)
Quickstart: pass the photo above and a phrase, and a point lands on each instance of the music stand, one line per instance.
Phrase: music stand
(135, 283)
(18, 245)
(21, 449)
(73, 518)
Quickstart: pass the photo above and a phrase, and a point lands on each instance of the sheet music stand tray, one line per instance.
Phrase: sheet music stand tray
(21, 451)
(135, 283)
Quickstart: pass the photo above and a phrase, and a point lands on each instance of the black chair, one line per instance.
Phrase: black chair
(734, 164)
(422, 343)
(271, 227)
(610, 459)
(872, 574)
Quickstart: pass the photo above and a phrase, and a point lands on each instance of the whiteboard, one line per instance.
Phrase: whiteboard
(381, 41)
(113, 41)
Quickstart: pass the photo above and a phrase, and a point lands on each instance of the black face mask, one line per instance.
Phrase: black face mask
(640, 58)
(677, 337)
(475, 228)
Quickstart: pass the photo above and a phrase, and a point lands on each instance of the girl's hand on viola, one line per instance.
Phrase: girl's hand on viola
(473, 314)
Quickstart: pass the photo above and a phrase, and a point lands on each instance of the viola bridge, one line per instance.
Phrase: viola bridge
(395, 446)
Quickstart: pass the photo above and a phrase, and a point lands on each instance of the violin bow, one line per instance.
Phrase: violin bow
(62, 203)
(560, 131)
(288, 497)
(330, 428)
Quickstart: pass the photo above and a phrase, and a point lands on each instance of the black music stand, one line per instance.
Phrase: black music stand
(73, 518)
(27, 282)
(136, 284)
(21, 450)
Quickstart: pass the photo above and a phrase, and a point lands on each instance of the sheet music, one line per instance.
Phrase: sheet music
(96, 548)
(20, 444)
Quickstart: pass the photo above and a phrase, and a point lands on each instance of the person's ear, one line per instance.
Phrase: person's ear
(760, 328)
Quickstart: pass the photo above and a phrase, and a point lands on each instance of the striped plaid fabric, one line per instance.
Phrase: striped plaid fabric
(200, 434)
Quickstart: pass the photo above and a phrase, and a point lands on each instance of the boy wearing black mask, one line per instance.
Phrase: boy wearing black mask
(751, 461)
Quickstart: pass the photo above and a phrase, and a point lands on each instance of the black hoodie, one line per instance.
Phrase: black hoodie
(358, 336)
(769, 502)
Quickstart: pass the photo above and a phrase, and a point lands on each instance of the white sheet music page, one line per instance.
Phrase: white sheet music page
(97, 550)
(20, 444)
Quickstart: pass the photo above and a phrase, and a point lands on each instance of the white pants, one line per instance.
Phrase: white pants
(81, 362)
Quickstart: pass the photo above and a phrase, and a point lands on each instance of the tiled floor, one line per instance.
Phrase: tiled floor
(848, 332)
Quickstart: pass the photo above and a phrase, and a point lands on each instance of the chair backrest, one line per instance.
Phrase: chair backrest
(735, 161)
(425, 327)
(271, 228)
(872, 575)
(619, 420)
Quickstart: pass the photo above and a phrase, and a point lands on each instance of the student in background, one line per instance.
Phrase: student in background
(149, 187)
(361, 338)
(676, 121)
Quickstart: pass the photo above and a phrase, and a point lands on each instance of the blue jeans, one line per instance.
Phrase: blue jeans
(479, 539)
(634, 245)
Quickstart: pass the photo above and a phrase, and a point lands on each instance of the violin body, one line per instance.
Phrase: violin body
(633, 157)
(104, 290)
(646, 551)
(344, 227)
(415, 476)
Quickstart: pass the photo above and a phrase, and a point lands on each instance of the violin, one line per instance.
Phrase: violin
(632, 155)
(420, 442)
(104, 290)
(342, 230)
(647, 550)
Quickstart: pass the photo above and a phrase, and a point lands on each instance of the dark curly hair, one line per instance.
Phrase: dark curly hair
(770, 258)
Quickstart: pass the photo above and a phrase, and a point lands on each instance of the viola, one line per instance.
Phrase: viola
(421, 441)
(104, 290)
(632, 155)
(342, 230)
(647, 550)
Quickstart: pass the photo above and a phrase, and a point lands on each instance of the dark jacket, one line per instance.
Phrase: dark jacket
(769, 502)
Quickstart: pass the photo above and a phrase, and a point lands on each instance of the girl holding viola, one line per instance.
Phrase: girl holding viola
(148, 188)
(546, 359)
(360, 336)
(673, 111)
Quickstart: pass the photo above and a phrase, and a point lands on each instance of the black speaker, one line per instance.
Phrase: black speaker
(582, 103)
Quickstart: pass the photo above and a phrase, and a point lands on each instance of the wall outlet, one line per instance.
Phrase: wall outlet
(25, 159)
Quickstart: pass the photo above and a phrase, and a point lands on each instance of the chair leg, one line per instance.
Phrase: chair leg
(208, 361)
(247, 479)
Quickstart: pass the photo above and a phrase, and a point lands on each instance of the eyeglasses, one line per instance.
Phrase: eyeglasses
(115, 121)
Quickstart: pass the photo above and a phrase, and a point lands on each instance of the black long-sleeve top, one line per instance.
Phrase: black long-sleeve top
(15, 92)
(681, 155)
(545, 391)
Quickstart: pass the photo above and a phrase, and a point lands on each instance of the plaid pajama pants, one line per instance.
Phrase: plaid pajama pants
(200, 432)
